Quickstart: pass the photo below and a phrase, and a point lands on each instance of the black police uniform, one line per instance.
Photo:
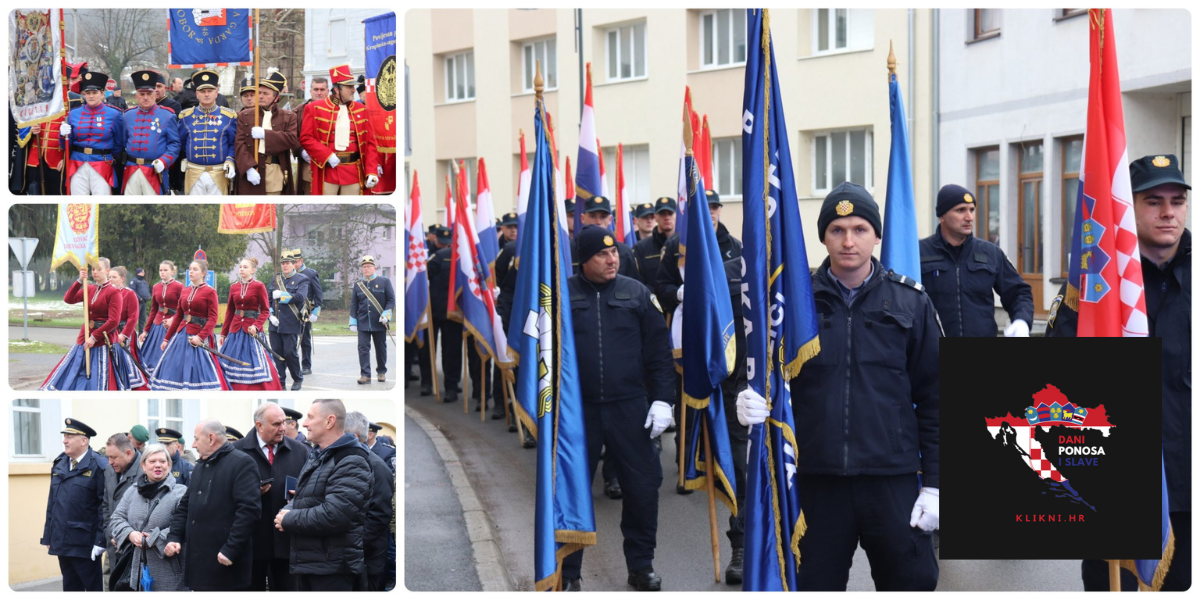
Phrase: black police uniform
(739, 435)
(504, 265)
(860, 440)
(181, 469)
(387, 453)
(438, 269)
(626, 267)
(285, 338)
(960, 279)
(647, 253)
(370, 330)
(316, 297)
(622, 345)
(668, 279)
(75, 519)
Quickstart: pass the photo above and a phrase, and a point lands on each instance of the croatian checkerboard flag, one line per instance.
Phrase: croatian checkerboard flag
(485, 220)
(469, 291)
(416, 281)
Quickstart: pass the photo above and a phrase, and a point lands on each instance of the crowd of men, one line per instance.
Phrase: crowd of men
(878, 351)
(273, 510)
(185, 139)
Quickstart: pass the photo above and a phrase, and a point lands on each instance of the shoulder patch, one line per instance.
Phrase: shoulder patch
(908, 281)
(981, 257)
(228, 112)
(187, 112)
(1054, 311)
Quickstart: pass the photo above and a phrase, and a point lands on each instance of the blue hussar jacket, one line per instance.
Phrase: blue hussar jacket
(96, 132)
(363, 313)
(315, 294)
(290, 303)
(75, 508)
(207, 138)
(150, 135)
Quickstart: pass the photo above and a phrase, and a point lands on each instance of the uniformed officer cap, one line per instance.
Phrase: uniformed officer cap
(167, 435)
(368, 260)
(274, 80)
(509, 219)
(1155, 170)
(643, 210)
(848, 200)
(666, 204)
(232, 434)
(77, 427)
(247, 86)
(375, 427)
(144, 80)
(597, 204)
(292, 414)
(713, 197)
(443, 234)
(298, 253)
(569, 205)
(287, 256)
(205, 78)
(93, 81)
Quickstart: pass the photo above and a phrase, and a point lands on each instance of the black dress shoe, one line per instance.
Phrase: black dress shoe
(612, 489)
(296, 386)
(512, 427)
(645, 580)
(497, 412)
(450, 397)
(573, 585)
(682, 491)
(528, 442)
(733, 573)
(309, 372)
(426, 390)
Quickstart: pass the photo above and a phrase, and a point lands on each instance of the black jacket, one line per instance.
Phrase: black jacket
(218, 515)
(736, 382)
(1169, 312)
(75, 508)
(648, 253)
(627, 266)
(506, 280)
(377, 530)
(621, 342)
(290, 456)
(669, 278)
(961, 288)
(386, 452)
(141, 288)
(854, 400)
(328, 514)
(438, 269)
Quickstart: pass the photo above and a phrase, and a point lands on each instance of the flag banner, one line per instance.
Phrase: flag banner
(416, 280)
(623, 224)
(588, 179)
(37, 84)
(523, 191)
(681, 199)
(246, 218)
(780, 318)
(704, 156)
(379, 39)
(549, 402)
(485, 222)
(75, 239)
(901, 250)
(209, 37)
(471, 299)
(449, 202)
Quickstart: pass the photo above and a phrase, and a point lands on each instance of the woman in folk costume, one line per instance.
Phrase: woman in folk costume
(164, 303)
(269, 171)
(339, 141)
(183, 365)
(104, 310)
(129, 374)
(245, 312)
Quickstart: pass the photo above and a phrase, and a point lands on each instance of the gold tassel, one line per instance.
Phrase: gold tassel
(807, 351)
(1071, 298)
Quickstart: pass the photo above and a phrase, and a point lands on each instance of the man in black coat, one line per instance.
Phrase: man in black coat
(142, 289)
(450, 345)
(328, 514)
(216, 519)
(74, 530)
(277, 457)
(647, 252)
(379, 446)
(377, 531)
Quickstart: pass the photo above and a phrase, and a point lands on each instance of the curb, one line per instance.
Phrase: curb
(489, 566)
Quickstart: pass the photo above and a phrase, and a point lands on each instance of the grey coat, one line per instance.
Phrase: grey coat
(129, 515)
(115, 487)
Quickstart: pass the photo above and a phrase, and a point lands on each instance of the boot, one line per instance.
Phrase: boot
(733, 573)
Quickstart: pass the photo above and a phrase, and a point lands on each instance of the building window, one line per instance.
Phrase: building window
(987, 23)
(1029, 209)
(626, 51)
(1072, 157)
(637, 173)
(1067, 13)
(27, 428)
(387, 273)
(727, 168)
(841, 29)
(544, 52)
(387, 233)
(987, 194)
(337, 37)
(841, 156)
(164, 413)
(723, 37)
(460, 77)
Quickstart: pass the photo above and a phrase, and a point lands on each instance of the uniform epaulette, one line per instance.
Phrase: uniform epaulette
(909, 281)
(187, 112)
(228, 112)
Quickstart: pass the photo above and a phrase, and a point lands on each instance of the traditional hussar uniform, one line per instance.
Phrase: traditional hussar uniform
(314, 302)
(270, 171)
(207, 137)
(339, 140)
(288, 315)
(152, 143)
(370, 312)
(94, 135)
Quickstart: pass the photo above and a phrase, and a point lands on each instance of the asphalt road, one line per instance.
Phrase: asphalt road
(335, 362)
(503, 476)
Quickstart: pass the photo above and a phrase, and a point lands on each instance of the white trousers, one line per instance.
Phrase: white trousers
(87, 182)
(205, 186)
(138, 185)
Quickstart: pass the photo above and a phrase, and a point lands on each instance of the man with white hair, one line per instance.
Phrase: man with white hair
(379, 510)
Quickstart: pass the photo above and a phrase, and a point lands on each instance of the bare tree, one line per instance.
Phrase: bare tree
(119, 37)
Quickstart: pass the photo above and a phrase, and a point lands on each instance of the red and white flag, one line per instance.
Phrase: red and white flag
(624, 228)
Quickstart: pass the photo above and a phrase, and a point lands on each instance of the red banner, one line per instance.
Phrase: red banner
(246, 218)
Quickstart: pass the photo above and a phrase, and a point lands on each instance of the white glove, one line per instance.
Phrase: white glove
(230, 171)
(379, 170)
(305, 156)
(333, 161)
(659, 416)
(158, 166)
(354, 328)
(257, 133)
(312, 318)
(383, 319)
(183, 165)
(372, 180)
(751, 408)
(1018, 328)
(679, 294)
(274, 320)
(925, 511)
(64, 130)
(276, 294)
(254, 178)
(96, 551)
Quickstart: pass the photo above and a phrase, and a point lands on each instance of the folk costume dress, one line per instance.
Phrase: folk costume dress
(164, 304)
(129, 376)
(184, 366)
(104, 310)
(247, 306)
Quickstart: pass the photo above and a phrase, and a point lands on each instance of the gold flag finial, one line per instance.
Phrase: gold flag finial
(891, 60)
(454, 167)
(539, 84)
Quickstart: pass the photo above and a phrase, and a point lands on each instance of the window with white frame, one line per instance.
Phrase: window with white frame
(841, 156)
(625, 48)
(27, 428)
(637, 173)
(722, 37)
(338, 36)
(545, 53)
(842, 29)
(460, 77)
(387, 233)
(727, 168)
(164, 413)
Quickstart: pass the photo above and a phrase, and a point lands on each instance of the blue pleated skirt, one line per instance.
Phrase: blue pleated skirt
(129, 376)
(242, 346)
(149, 351)
(186, 367)
(70, 373)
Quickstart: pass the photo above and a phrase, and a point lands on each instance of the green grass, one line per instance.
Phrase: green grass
(34, 347)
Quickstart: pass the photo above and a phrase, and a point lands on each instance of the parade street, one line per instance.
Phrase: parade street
(503, 474)
(335, 361)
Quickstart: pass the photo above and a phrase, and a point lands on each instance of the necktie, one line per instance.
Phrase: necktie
(73, 464)
(271, 453)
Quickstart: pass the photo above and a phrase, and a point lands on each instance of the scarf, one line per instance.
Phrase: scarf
(146, 488)
(341, 130)
(266, 125)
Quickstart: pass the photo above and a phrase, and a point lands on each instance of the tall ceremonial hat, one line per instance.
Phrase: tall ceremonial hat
(93, 81)
(76, 69)
(167, 435)
(274, 80)
(292, 413)
(368, 260)
(205, 78)
(287, 256)
(77, 427)
(340, 75)
(144, 80)
(232, 434)
(298, 254)
(247, 86)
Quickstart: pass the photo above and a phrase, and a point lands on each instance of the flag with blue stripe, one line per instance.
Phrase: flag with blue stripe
(485, 222)
(471, 297)
(901, 250)
(416, 280)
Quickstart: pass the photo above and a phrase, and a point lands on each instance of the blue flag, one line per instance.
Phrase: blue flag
(1152, 572)
(380, 42)
(779, 316)
(708, 335)
(416, 280)
(901, 250)
(209, 37)
(549, 402)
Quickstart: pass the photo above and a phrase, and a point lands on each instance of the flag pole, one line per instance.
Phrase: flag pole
(504, 390)
(464, 371)
(483, 363)
(437, 392)
(891, 61)
(87, 329)
(687, 141)
(712, 500)
(1114, 575)
(520, 426)
(257, 26)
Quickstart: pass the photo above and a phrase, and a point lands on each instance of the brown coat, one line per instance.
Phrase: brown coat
(281, 140)
(304, 169)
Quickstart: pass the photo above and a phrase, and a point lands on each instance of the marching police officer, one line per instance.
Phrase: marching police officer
(315, 299)
(647, 252)
(621, 342)
(288, 293)
(438, 269)
(1160, 207)
(879, 356)
(181, 469)
(669, 284)
(208, 133)
(370, 314)
(508, 228)
(960, 271)
(598, 211)
(74, 530)
(569, 209)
